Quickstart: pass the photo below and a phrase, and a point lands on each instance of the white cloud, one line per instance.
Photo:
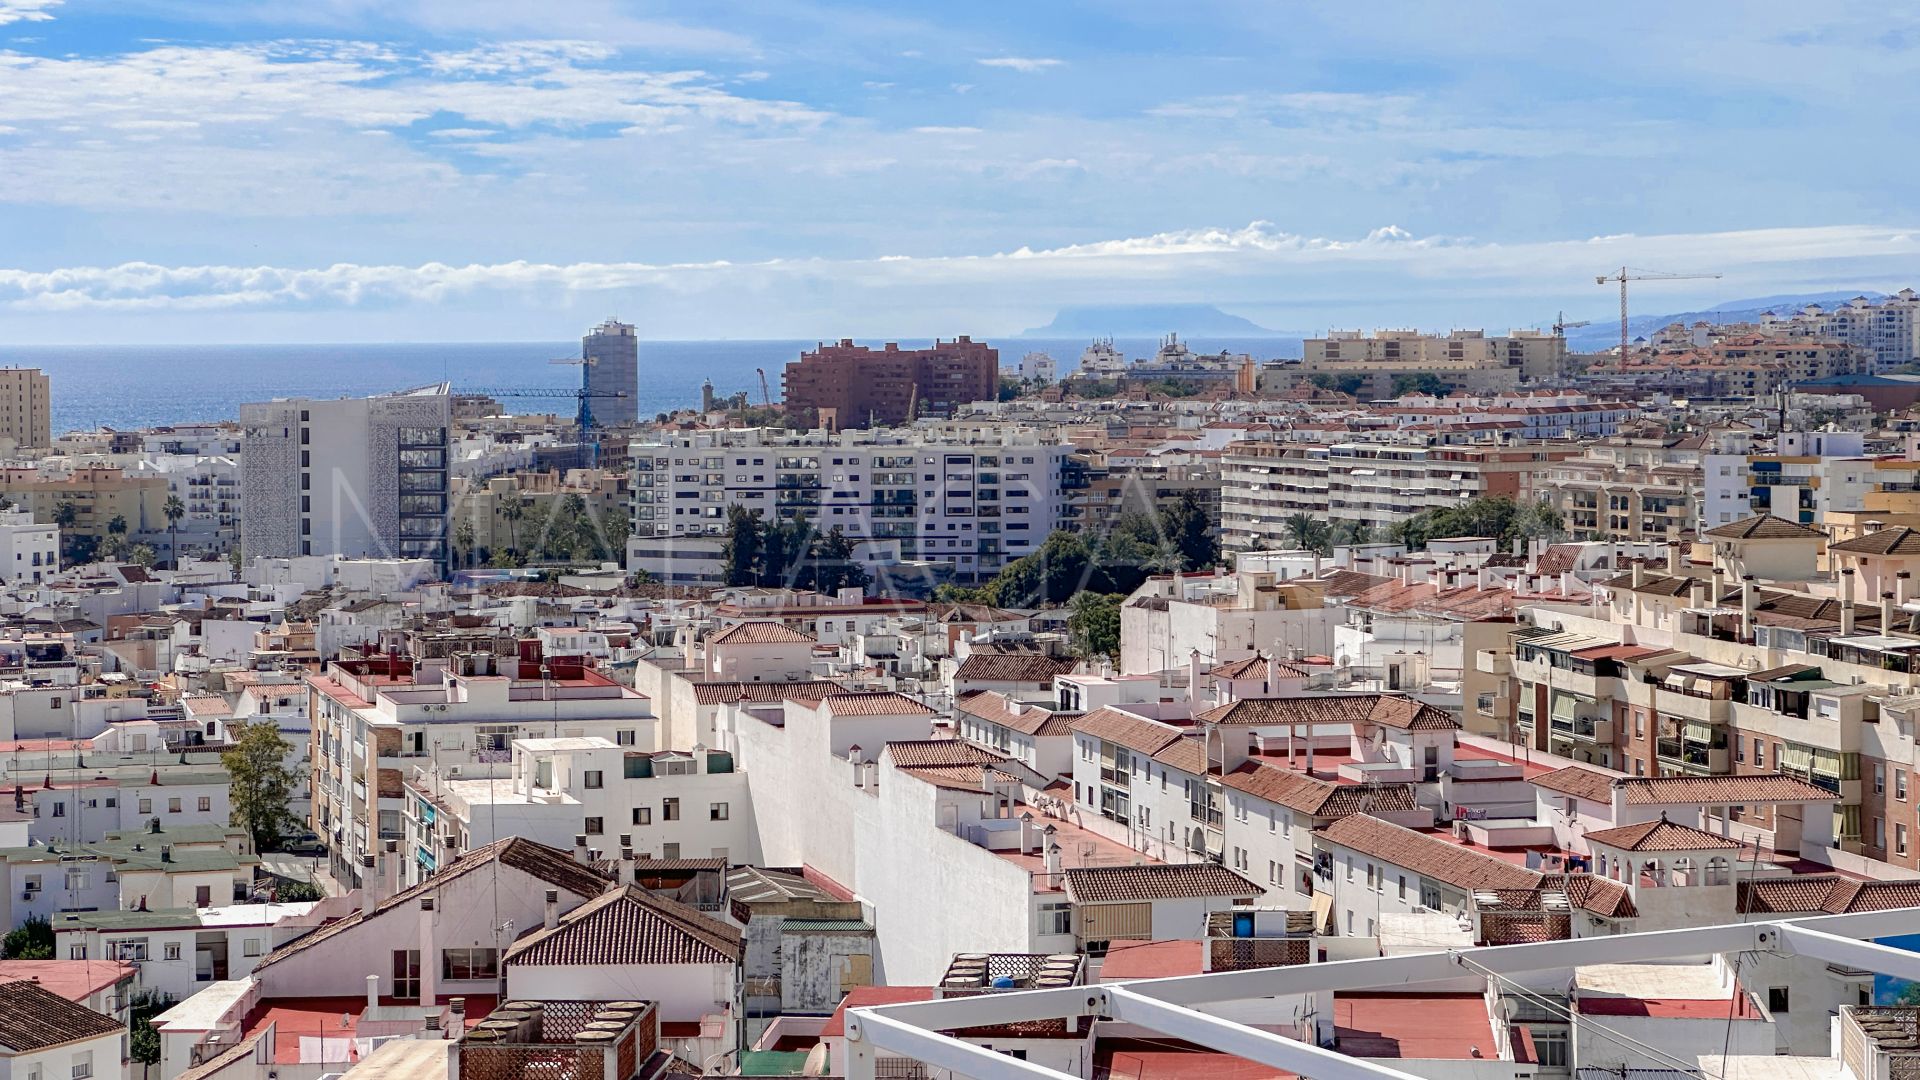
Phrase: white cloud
(946, 129)
(1258, 252)
(13, 11)
(1025, 64)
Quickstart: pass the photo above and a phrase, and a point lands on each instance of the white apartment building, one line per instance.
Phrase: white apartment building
(1809, 474)
(208, 486)
(362, 477)
(377, 721)
(976, 503)
(28, 551)
(179, 950)
(624, 804)
(1889, 327)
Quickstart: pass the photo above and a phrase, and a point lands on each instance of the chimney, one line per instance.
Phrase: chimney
(1702, 599)
(1637, 575)
(553, 909)
(580, 849)
(1903, 587)
(1193, 674)
(1886, 613)
(373, 991)
(429, 955)
(1273, 674)
(1749, 597)
(1050, 849)
(1846, 602)
(1673, 559)
(627, 869)
(392, 887)
(370, 883)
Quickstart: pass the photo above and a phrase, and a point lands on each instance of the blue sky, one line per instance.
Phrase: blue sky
(340, 170)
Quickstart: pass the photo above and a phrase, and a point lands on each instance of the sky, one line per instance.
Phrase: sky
(455, 170)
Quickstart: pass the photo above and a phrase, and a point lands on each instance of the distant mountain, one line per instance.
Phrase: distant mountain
(1150, 320)
(1605, 333)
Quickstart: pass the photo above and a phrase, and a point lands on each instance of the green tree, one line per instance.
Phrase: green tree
(31, 940)
(1193, 531)
(1009, 387)
(740, 557)
(832, 566)
(1063, 565)
(262, 783)
(1339, 384)
(511, 511)
(174, 510)
(1496, 516)
(142, 555)
(1424, 382)
(117, 537)
(297, 892)
(1094, 624)
(463, 540)
(1308, 533)
(143, 1042)
(67, 515)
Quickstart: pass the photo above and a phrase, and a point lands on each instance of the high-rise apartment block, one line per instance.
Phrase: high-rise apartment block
(1465, 359)
(1890, 327)
(612, 351)
(851, 386)
(26, 401)
(361, 477)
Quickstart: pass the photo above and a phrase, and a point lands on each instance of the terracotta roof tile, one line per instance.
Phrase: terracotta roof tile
(760, 632)
(1298, 791)
(1900, 541)
(1576, 781)
(630, 926)
(926, 752)
(37, 1018)
(996, 708)
(1728, 788)
(1186, 754)
(1662, 835)
(1125, 729)
(1012, 667)
(1155, 881)
(1257, 667)
(873, 703)
(1764, 527)
(1387, 710)
(721, 693)
(1558, 559)
(1428, 856)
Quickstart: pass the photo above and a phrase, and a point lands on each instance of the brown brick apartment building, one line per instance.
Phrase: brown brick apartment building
(852, 386)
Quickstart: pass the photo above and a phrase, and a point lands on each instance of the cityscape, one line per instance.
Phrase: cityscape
(629, 541)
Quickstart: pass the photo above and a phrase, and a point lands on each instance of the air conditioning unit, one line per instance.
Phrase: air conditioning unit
(1461, 831)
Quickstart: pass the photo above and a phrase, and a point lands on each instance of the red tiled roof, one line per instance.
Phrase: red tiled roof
(1826, 892)
(630, 926)
(721, 693)
(924, 753)
(1258, 667)
(1897, 541)
(1662, 835)
(75, 980)
(873, 703)
(1125, 729)
(1012, 667)
(37, 1018)
(1452, 864)
(996, 708)
(1298, 791)
(1764, 527)
(760, 632)
(1186, 753)
(1155, 881)
(1387, 710)
(1726, 788)
(1576, 781)
(866, 997)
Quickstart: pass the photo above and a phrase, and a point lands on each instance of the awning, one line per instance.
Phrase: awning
(1563, 706)
(1699, 732)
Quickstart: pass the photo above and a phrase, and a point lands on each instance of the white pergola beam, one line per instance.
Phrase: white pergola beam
(1851, 952)
(1252, 1044)
(869, 1032)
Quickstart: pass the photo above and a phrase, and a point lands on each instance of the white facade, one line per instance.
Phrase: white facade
(28, 551)
(976, 504)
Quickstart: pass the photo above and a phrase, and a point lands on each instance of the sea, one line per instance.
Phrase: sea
(138, 386)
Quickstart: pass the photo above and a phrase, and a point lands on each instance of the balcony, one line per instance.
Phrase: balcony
(1492, 662)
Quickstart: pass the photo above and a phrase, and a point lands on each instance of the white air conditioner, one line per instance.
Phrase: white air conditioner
(1460, 830)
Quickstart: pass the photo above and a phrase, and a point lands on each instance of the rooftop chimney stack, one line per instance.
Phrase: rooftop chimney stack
(1749, 599)
(1637, 575)
(1846, 602)
(553, 909)
(373, 991)
(1886, 612)
(580, 848)
(1903, 587)
(429, 955)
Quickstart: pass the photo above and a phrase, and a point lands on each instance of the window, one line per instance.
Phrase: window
(1900, 838)
(202, 895)
(82, 1065)
(669, 809)
(1429, 895)
(76, 952)
(1403, 886)
(592, 778)
(206, 803)
(624, 738)
(469, 964)
(1900, 784)
(251, 947)
(1273, 872)
(717, 812)
(1777, 999)
(643, 815)
(173, 806)
(170, 951)
(669, 851)
(1054, 919)
(1349, 869)
(594, 826)
(146, 806)
(1759, 754)
(1879, 779)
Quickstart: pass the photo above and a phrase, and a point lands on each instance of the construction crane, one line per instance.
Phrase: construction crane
(1628, 273)
(1561, 325)
(583, 412)
(766, 396)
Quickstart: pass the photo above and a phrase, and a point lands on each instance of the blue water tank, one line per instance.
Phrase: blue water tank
(1243, 924)
(1003, 982)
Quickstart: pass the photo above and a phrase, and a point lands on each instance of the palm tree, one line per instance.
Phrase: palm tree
(116, 534)
(174, 510)
(463, 538)
(511, 512)
(1308, 533)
